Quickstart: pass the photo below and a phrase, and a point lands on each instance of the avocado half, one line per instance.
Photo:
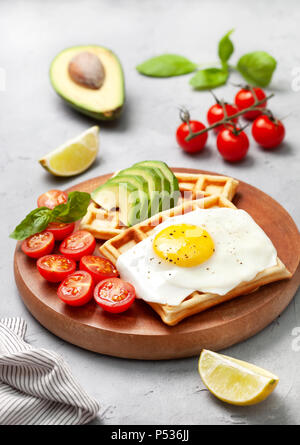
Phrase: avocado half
(105, 103)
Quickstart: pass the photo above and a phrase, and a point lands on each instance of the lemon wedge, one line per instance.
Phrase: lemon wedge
(75, 156)
(234, 381)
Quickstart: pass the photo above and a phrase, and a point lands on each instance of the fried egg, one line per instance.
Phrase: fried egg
(208, 250)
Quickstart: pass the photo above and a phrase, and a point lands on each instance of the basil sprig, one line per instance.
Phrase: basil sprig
(166, 65)
(209, 78)
(256, 67)
(39, 219)
(225, 48)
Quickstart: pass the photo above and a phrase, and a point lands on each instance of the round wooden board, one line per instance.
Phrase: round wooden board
(139, 333)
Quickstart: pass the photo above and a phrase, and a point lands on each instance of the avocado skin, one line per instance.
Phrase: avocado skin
(107, 116)
(99, 116)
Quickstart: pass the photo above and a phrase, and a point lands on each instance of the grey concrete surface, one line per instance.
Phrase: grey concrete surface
(33, 121)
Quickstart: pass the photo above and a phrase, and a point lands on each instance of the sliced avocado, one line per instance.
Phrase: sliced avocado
(102, 99)
(169, 175)
(141, 185)
(154, 185)
(164, 201)
(120, 195)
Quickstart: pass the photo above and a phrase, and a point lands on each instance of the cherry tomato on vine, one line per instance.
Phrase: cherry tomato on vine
(55, 268)
(77, 245)
(232, 144)
(216, 114)
(268, 132)
(197, 143)
(61, 230)
(38, 245)
(100, 268)
(114, 295)
(76, 289)
(52, 198)
(245, 98)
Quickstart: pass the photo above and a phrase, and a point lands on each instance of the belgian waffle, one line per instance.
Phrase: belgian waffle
(105, 224)
(197, 301)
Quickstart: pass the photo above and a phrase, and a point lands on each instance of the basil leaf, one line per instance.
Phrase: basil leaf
(209, 78)
(166, 65)
(35, 222)
(257, 68)
(75, 208)
(225, 48)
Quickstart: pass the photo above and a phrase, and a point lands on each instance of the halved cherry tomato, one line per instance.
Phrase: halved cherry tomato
(38, 245)
(100, 268)
(114, 295)
(245, 99)
(77, 245)
(61, 230)
(76, 289)
(52, 198)
(55, 268)
(216, 114)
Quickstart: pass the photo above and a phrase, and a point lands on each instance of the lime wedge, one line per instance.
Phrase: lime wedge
(235, 381)
(75, 156)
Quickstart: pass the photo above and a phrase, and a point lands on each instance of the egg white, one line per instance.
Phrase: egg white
(242, 250)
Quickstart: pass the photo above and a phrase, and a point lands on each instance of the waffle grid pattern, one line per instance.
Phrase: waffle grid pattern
(106, 224)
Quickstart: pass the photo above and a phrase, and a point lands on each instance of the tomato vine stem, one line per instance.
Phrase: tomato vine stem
(228, 119)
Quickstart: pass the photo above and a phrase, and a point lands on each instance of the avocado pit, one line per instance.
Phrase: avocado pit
(87, 70)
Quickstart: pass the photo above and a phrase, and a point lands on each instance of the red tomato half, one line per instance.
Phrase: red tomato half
(52, 198)
(245, 99)
(267, 132)
(76, 289)
(38, 245)
(100, 268)
(216, 114)
(61, 230)
(55, 268)
(77, 245)
(114, 295)
(197, 143)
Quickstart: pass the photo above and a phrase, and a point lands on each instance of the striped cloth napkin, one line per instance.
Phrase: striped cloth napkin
(36, 386)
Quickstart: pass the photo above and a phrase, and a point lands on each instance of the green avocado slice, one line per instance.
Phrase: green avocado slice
(154, 185)
(164, 202)
(120, 195)
(103, 103)
(173, 187)
(142, 187)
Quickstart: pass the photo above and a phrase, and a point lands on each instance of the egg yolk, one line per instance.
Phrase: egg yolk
(184, 245)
